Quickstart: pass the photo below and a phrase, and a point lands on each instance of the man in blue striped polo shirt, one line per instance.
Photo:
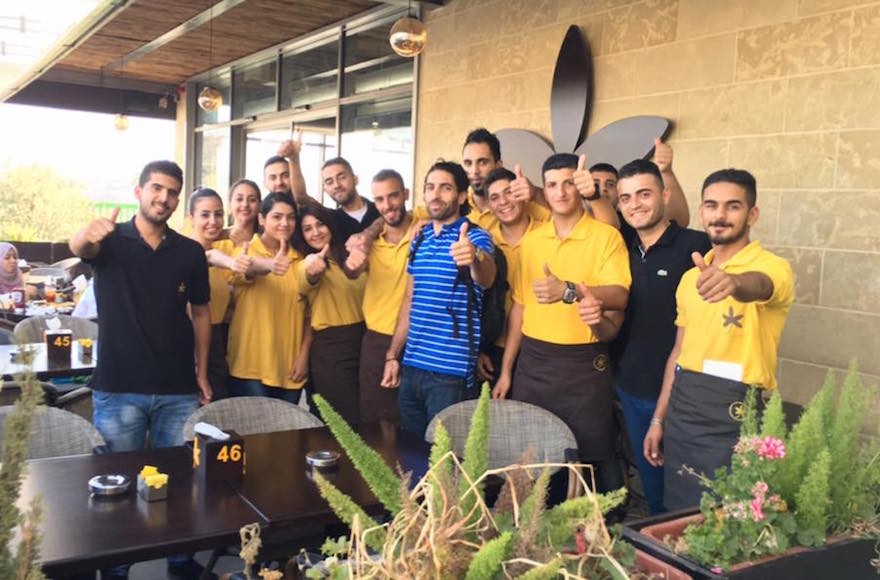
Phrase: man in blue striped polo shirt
(450, 265)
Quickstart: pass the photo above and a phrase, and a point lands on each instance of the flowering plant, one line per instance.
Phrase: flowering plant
(745, 517)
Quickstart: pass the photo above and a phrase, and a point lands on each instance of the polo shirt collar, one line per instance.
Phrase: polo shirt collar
(129, 230)
(745, 256)
(473, 204)
(666, 239)
(498, 234)
(456, 225)
(580, 231)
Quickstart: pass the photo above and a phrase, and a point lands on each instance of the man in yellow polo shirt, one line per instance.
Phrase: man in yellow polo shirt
(568, 299)
(732, 307)
(383, 297)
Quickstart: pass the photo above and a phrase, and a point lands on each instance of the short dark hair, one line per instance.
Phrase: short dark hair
(274, 159)
(199, 194)
(276, 197)
(740, 177)
(606, 167)
(483, 135)
(459, 176)
(498, 174)
(338, 161)
(387, 175)
(559, 161)
(169, 168)
(641, 167)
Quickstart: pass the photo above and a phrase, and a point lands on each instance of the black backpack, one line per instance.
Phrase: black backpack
(493, 316)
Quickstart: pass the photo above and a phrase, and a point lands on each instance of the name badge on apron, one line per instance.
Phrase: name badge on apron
(723, 369)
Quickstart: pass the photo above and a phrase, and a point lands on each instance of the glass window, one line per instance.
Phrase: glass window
(254, 89)
(310, 77)
(222, 84)
(370, 64)
(378, 135)
(212, 153)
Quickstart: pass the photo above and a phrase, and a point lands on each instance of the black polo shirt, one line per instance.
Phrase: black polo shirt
(648, 333)
(627, 232)
(348, 226)
(145, 334)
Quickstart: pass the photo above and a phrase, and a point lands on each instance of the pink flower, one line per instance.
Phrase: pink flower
(757, 509)
(760, 489)
(771, 448)
(717, 570)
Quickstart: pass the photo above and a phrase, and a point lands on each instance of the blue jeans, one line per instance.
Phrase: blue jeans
(254, 388)
(125, 420)
(637, 414)
(423, 394)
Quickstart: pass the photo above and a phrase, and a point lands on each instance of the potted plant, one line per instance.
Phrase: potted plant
(441, 527)
(804, 504)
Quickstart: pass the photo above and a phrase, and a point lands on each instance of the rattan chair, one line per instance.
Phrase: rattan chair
(56, 433)
(249, 415)
(10, 392)
(514, 427)
(31, 329)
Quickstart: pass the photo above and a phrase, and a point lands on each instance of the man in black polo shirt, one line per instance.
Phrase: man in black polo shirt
(354, 213)
(146, 275)
(659, 255)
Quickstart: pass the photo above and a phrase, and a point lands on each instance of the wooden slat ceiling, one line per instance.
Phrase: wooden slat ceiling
(245, 29)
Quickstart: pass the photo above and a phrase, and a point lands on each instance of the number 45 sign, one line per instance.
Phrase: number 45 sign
(219, 460)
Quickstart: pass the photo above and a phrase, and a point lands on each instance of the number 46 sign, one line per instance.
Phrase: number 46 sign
(219, 460)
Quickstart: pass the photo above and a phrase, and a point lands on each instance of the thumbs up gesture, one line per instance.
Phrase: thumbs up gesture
(463, 251)
(583, 181)
(242, 262)
(548, 289)
(316, 264)
(713, 284)
(100, 228)
(281, 262)
(291, 148)
(589, 307)
(521, 187)
(662, 156)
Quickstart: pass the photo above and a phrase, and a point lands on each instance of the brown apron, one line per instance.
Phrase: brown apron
(377, 402)
(702, 425)
(333, 367)
(574, 382)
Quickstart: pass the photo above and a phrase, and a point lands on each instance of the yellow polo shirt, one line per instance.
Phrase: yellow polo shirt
(487, 220)
(512, 256)
(266, 331)
(220, 282)
(593, 253)
(741, 336)
(386, 284)
(336, 300)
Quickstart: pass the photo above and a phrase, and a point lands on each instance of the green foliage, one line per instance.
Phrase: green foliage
(381, 480)
(476, 451)
(561, 519)
(531, 515)
(39, 204)
(812, 502)
(346, 509)
(487, 561)
(806, 437)
(750, 413)
(441, 463)
(546, 572)
(773, 420)
(335, 547)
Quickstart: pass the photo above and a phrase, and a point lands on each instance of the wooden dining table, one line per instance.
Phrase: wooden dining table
(81, 533)
(77, 365)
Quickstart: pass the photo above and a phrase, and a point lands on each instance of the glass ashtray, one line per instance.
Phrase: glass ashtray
(322, 459)
(109, 484)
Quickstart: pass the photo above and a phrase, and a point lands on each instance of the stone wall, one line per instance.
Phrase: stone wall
(786, 89)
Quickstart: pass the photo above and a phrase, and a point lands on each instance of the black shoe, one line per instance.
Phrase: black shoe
(188, 570)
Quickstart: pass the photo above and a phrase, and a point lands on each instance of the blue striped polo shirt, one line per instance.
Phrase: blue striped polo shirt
(431, 343)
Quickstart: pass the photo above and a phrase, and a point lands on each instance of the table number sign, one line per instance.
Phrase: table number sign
(58, 343)
(217, 458)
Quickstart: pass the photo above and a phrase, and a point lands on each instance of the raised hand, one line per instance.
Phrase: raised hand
(463, 251)
(662, 156)
(589, 307)
(100, 228)
(713, 284)
(242, 262)
(356, 260)
(583, 181)
(316, 264)
(292, 148)
(520, 188)
(548, 289)
(281, 262)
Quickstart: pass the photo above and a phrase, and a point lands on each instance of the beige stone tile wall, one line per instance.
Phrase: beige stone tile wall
(787, 89)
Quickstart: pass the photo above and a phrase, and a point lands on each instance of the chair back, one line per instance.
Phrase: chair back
(6, 336)
(10, 392)
(249, 415)
(31, 329)
(514, 427)
(56, 433)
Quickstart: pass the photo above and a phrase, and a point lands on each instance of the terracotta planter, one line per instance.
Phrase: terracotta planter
(840, 558)
(658, 568)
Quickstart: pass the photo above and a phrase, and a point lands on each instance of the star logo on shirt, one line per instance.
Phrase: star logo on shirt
(731, 319)
(181, 289)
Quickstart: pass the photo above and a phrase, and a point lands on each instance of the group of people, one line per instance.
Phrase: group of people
(565, 294)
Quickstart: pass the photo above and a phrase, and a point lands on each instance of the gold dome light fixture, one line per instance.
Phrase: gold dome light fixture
(210, 99)
(121, 122)
(408, 36)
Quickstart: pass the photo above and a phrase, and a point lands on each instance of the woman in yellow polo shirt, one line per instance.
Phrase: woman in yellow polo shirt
(244, 205)
(335, 296)
(268, 337)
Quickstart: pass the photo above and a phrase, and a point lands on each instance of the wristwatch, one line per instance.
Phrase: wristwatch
(479, 255)
(569, 295)
(597, 193)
